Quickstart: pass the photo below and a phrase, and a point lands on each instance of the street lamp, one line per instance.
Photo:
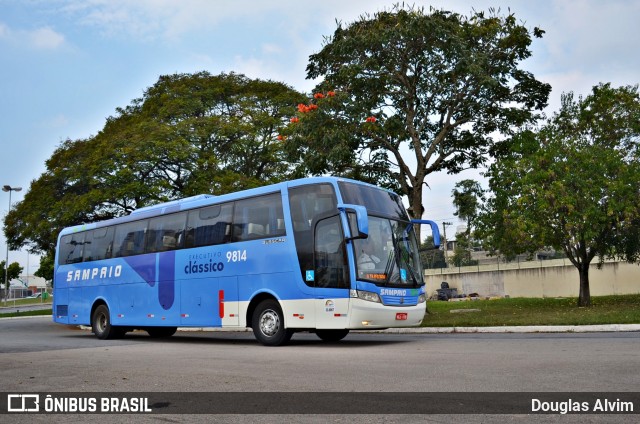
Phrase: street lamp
(6, 261)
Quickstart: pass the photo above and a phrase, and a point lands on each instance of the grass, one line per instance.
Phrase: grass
(27, 313)
(527, 311)
(22, 302)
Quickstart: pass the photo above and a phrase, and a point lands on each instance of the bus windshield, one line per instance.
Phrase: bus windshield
(389, 256)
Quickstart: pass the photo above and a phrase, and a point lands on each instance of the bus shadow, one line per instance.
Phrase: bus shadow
(299, 339)
(355, 340)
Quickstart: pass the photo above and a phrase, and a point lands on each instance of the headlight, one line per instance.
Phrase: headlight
(422, 298)
(365, 295)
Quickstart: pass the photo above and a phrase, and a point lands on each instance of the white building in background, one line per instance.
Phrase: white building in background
(26, 285)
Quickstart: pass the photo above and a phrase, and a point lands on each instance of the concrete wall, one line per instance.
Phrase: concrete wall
(556, 281)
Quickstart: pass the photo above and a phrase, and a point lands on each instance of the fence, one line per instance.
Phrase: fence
(501, 264)
(542, 278)
(17, 293)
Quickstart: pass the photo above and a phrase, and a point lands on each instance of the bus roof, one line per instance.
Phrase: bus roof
(201, 200)
(170, 203)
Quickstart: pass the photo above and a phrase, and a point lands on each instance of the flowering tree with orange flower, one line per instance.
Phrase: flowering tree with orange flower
(415, 93)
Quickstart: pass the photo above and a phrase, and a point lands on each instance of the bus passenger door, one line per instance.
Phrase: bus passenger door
(331, 274)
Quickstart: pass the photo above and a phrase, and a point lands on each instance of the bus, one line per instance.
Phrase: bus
(325, 255)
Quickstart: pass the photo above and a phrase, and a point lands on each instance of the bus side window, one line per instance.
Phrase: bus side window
(164, 232)
(129, 238)
(209, 226)
(98, 244)
(71, 247)
(258, 217)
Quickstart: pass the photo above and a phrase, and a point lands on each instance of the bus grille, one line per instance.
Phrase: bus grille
(62, 310)
(399, 300)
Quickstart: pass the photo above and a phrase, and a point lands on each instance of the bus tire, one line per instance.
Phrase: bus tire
(332, 335)
(161, 332)
(268, 324)
(101, 324)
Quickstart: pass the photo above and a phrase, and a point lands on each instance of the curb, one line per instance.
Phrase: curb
(518, 329)
(611, 328)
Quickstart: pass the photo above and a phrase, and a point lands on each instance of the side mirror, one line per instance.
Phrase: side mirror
(434, 230)
(358, 220)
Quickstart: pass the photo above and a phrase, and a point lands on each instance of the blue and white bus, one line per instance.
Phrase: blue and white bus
(325, 255)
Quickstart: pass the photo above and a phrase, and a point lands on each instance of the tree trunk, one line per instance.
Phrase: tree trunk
(416, 209)
(585, 296)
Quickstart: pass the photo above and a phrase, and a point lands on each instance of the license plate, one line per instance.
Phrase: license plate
(401, 316)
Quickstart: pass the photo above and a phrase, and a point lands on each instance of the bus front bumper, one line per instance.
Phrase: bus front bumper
(371, 315)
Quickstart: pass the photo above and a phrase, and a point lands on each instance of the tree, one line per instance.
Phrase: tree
(573, 185)
(467, 198)
(436, 86)
(188, 134)
(12, 272)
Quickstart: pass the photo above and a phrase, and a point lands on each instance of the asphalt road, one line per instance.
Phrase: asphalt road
(39, 356)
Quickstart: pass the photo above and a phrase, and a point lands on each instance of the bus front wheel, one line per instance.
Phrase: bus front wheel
(101, 324)
(268, 324)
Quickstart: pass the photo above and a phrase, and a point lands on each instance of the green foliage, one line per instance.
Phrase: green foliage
(438, 85)
(188, 134)
(12, 271)
(46, 267)
(462, 251)
(573, 185)
(468, 196)
(430, 257)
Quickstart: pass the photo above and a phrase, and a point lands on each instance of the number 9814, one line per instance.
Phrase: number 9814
(236, 256)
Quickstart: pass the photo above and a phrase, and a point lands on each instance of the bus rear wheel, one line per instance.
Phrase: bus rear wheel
(268, 324)
(161, 332)
(101, 324)
(332, 335)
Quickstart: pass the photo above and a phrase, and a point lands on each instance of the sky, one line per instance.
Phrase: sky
(66, 65)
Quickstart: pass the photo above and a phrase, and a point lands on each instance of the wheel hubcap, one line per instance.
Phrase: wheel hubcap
(102, 323)
(269, 323)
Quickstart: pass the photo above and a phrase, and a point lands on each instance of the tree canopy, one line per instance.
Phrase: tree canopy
(572, 185)
(405, 93)
(467, 199)
(188, 134)
(468, 196)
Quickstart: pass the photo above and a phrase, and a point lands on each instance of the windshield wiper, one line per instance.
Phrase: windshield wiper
(406, 257)
(390, 262)
(396, 257)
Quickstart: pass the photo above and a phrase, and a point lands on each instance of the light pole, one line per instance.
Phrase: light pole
(6, 261)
